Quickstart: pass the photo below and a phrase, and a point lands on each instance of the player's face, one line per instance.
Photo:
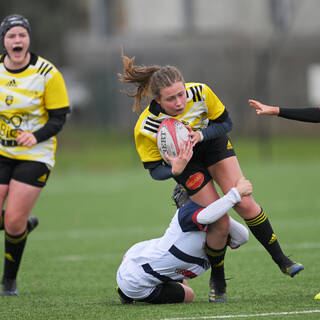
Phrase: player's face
(173, 99)
(17, 42)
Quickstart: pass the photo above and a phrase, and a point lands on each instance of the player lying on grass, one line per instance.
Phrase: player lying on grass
(155, 271)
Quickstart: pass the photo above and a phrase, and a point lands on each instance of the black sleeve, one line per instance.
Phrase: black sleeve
(57, 118)
(218, 127)
(158, 170)
(301, 114)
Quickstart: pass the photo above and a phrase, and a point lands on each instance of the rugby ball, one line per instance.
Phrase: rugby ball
(170, 135)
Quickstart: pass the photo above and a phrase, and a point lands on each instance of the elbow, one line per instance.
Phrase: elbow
(153, 175)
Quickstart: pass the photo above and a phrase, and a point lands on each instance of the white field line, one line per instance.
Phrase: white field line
(246, 315)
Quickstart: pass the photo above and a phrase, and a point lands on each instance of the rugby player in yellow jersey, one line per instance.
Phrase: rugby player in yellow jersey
(33, 108)
(213, 158)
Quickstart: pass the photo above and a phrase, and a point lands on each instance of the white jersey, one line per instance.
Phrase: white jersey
(179, 254)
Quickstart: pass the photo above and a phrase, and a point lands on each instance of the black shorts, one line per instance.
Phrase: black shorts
(205, 154)
(29, 172)
(168, 292)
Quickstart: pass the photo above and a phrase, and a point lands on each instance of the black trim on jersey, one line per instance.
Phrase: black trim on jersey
(148, 269)
(43, 68)
(57, 118)
(152, 125)
(301, 114)
(33, 61)
(34, 58)
(155, 108)
(187, 258)
(196, 91)
(48, 71)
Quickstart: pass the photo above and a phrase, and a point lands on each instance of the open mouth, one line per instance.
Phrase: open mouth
(17, 49)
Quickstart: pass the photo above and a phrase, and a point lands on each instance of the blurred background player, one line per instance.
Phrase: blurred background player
(307, 114)
(33, 108)
(196, 105)
(300, 114)
(155, 271)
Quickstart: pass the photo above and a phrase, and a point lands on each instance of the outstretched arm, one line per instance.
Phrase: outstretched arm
(220, 207)
(299, 114)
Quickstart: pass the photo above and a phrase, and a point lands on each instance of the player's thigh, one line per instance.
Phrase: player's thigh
(206, 195)
(226, 173)
(20, 201)
(27, 180)
(6, 168)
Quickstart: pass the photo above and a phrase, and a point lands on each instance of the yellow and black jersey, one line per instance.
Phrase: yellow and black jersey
(26, 96)
(202, 106)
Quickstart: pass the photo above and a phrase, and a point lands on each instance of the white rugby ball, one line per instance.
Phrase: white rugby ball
(170, 135)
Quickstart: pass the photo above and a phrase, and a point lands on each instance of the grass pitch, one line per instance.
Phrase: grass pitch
(95, 207)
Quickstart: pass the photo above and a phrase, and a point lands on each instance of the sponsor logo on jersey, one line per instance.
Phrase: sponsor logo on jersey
(187, 273)
(9, 100)
(229, 145)
(12, 83)
(195, 181)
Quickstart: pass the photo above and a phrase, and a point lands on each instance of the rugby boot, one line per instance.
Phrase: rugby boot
(9, 287)
(32, 223)
(291, 268)
(217, 290)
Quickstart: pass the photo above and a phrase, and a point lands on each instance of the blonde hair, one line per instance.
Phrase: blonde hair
(149, 80)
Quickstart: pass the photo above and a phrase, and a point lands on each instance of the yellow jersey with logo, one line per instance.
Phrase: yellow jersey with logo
(202, 105)
(25, 98)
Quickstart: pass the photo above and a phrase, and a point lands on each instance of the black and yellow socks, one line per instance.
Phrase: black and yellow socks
(14, 246)
(262, 230)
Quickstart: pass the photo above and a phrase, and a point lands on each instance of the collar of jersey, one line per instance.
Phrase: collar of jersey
(33, 61)
(155, 108)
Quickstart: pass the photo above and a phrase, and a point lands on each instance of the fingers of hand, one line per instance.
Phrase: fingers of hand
(26, 139)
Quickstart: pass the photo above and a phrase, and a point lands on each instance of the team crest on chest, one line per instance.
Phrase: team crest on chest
(9, 100)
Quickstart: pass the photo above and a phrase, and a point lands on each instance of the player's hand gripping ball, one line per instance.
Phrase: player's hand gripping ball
(171, 134)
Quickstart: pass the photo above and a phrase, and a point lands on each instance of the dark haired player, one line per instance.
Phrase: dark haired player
(33, 108)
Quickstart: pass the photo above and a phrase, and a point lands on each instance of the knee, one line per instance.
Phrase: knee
(247, 208)
(14, 225)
